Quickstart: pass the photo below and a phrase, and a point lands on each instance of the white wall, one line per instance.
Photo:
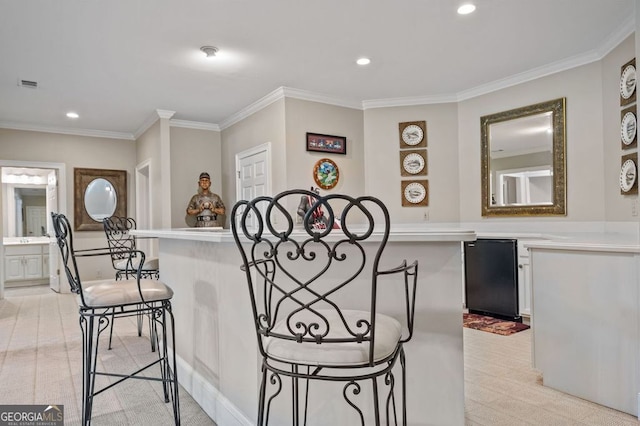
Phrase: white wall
(266, 125)
(382, 160)
(81, 152)
(193, 151)
(582, 87)
(314, 117)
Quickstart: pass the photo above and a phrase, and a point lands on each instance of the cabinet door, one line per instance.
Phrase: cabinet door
(524, 282)
(33, 266)
(13, 269)
(45, 266)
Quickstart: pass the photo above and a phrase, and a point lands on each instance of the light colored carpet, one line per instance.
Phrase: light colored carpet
(41, 363)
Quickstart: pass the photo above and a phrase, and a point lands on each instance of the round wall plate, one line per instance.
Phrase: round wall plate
(413, 163)
(326, 173)
(627, 175)
(412, 135)
(628, 81)
(628, 128)
(415, 192)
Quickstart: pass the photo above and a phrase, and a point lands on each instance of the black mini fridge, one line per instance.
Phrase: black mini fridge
(491, 277)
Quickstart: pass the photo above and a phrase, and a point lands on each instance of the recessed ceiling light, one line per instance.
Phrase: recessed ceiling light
(466, 8)
(72, 114)
(209, 51)
(363, 61)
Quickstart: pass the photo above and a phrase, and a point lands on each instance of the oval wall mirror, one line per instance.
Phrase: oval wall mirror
(98, 193)
(523, 161)
(100, 199)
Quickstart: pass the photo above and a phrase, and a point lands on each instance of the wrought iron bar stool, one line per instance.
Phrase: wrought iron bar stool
(121, 244)
(100, 301)
(314, 294)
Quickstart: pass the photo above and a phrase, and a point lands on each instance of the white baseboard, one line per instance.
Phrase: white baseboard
(213, 402)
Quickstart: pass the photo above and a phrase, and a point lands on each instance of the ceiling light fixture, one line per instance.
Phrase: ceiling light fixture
(72, 114)
(210, 51)
(466, 8)
(363, 61)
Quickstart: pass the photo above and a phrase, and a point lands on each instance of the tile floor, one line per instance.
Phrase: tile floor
(501, 388)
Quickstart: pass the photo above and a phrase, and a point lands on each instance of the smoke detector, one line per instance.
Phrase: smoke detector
(28, 83)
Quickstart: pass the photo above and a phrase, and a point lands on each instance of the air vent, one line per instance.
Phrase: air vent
(28, 83)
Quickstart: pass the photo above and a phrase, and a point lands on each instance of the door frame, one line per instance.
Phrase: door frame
(266, 148)
(61, 171)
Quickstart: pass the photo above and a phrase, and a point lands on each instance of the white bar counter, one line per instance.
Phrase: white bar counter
(218, 358)
(586, 316)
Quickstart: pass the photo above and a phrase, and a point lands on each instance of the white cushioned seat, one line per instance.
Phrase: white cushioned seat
(149, 263)
(107, 293)
(388, 333)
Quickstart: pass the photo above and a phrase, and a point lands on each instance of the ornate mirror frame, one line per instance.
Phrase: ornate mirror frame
(558, 205)
(81, 179)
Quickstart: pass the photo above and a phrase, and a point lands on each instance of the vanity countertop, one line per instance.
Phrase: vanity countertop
(21, 241)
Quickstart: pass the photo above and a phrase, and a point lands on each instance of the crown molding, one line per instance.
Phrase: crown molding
(67, 131)
(286, 92)
(306, 95)
(408, 101)
(163, 113)
(194, 125)
(150, 121)
(245, 112)
(627, 28)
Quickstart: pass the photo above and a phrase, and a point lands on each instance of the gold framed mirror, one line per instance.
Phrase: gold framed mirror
(98, 193)
(523, 161)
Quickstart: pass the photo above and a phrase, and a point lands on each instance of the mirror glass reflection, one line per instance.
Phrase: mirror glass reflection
(523, 161)
(100, 199)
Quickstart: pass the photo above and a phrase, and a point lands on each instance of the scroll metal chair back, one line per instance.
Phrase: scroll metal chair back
(100, 301)
(121, 243)
(121, 246)
(313, 289)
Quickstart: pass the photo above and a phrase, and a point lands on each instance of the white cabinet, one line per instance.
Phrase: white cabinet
(25, 262)
(524, 280)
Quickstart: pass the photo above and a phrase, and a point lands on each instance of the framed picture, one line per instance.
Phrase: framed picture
(326, 173)
(415, 193)
(98, 193)
(326, 143)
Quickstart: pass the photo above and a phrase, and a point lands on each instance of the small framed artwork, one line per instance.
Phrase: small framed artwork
(413, 134)
(326, 143)
(628, 127)
(415, 193)
(413, 162)
(628, 83)
(629, 174)
(326, 173)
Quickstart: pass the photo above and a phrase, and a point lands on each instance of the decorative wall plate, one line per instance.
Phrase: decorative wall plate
(627, 175)
(413, 134)
(415, 193)
(326, 173)
(628, 81)
(628, 128)
(413, 162)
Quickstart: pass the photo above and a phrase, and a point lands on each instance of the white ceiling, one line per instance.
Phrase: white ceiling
(116, 62)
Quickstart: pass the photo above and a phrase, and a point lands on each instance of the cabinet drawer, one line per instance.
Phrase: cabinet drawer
(23, 249)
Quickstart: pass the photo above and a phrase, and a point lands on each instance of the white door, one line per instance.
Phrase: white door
(253, 172)
(36, 221)
(52, 254)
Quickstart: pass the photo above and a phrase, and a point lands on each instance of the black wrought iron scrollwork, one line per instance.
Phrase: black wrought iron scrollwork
(356, 391)
(297, 274)
(274, 379)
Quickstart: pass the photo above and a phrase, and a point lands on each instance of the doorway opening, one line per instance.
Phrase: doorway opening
(28, 194)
